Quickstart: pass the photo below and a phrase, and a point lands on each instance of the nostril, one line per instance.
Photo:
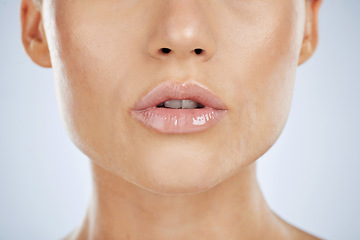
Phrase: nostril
(198, 51)
(165, 50)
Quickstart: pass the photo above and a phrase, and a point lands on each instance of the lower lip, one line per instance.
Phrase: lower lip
(166, 120)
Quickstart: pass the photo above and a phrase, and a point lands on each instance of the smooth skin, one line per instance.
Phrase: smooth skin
(106, 54)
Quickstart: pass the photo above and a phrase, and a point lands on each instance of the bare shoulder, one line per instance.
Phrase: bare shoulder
(70, 236)
(300, 234)
(297, 233)
(288, 231)
(74, 235)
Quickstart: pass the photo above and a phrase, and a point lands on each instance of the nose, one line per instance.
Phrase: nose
(182, 30)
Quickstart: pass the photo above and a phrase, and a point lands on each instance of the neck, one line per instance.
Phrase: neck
(234, 209)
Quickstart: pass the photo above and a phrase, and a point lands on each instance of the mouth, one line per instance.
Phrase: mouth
(174, 107)
(180, 104)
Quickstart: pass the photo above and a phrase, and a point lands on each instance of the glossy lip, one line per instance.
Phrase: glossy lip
(166, 120)
(181, 91)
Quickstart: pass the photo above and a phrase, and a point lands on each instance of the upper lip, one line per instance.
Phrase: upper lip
(171, 90)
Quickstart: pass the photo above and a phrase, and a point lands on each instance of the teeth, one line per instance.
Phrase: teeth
(185, 104)
(188, 104)
(173, 104)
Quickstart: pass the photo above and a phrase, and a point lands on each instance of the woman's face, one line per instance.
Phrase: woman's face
(106, 56)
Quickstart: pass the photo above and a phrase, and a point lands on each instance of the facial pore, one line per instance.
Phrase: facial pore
(105, 56)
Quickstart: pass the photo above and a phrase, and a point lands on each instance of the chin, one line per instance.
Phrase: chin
(181, 172)
(178, 186)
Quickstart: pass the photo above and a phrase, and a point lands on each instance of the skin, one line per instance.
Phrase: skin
(147, 185)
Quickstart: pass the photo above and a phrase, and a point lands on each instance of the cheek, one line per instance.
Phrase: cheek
(90, 77)
(262, 65)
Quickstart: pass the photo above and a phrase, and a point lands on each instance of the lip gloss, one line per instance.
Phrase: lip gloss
(179, 120)
(170, 120)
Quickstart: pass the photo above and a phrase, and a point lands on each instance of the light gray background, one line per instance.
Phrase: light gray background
(310, 177)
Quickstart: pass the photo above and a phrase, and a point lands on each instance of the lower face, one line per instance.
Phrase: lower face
(105, 58)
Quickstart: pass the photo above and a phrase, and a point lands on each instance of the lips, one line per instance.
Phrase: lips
(153, 110)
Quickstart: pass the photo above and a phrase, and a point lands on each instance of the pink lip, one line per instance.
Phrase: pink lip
(166, 120)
